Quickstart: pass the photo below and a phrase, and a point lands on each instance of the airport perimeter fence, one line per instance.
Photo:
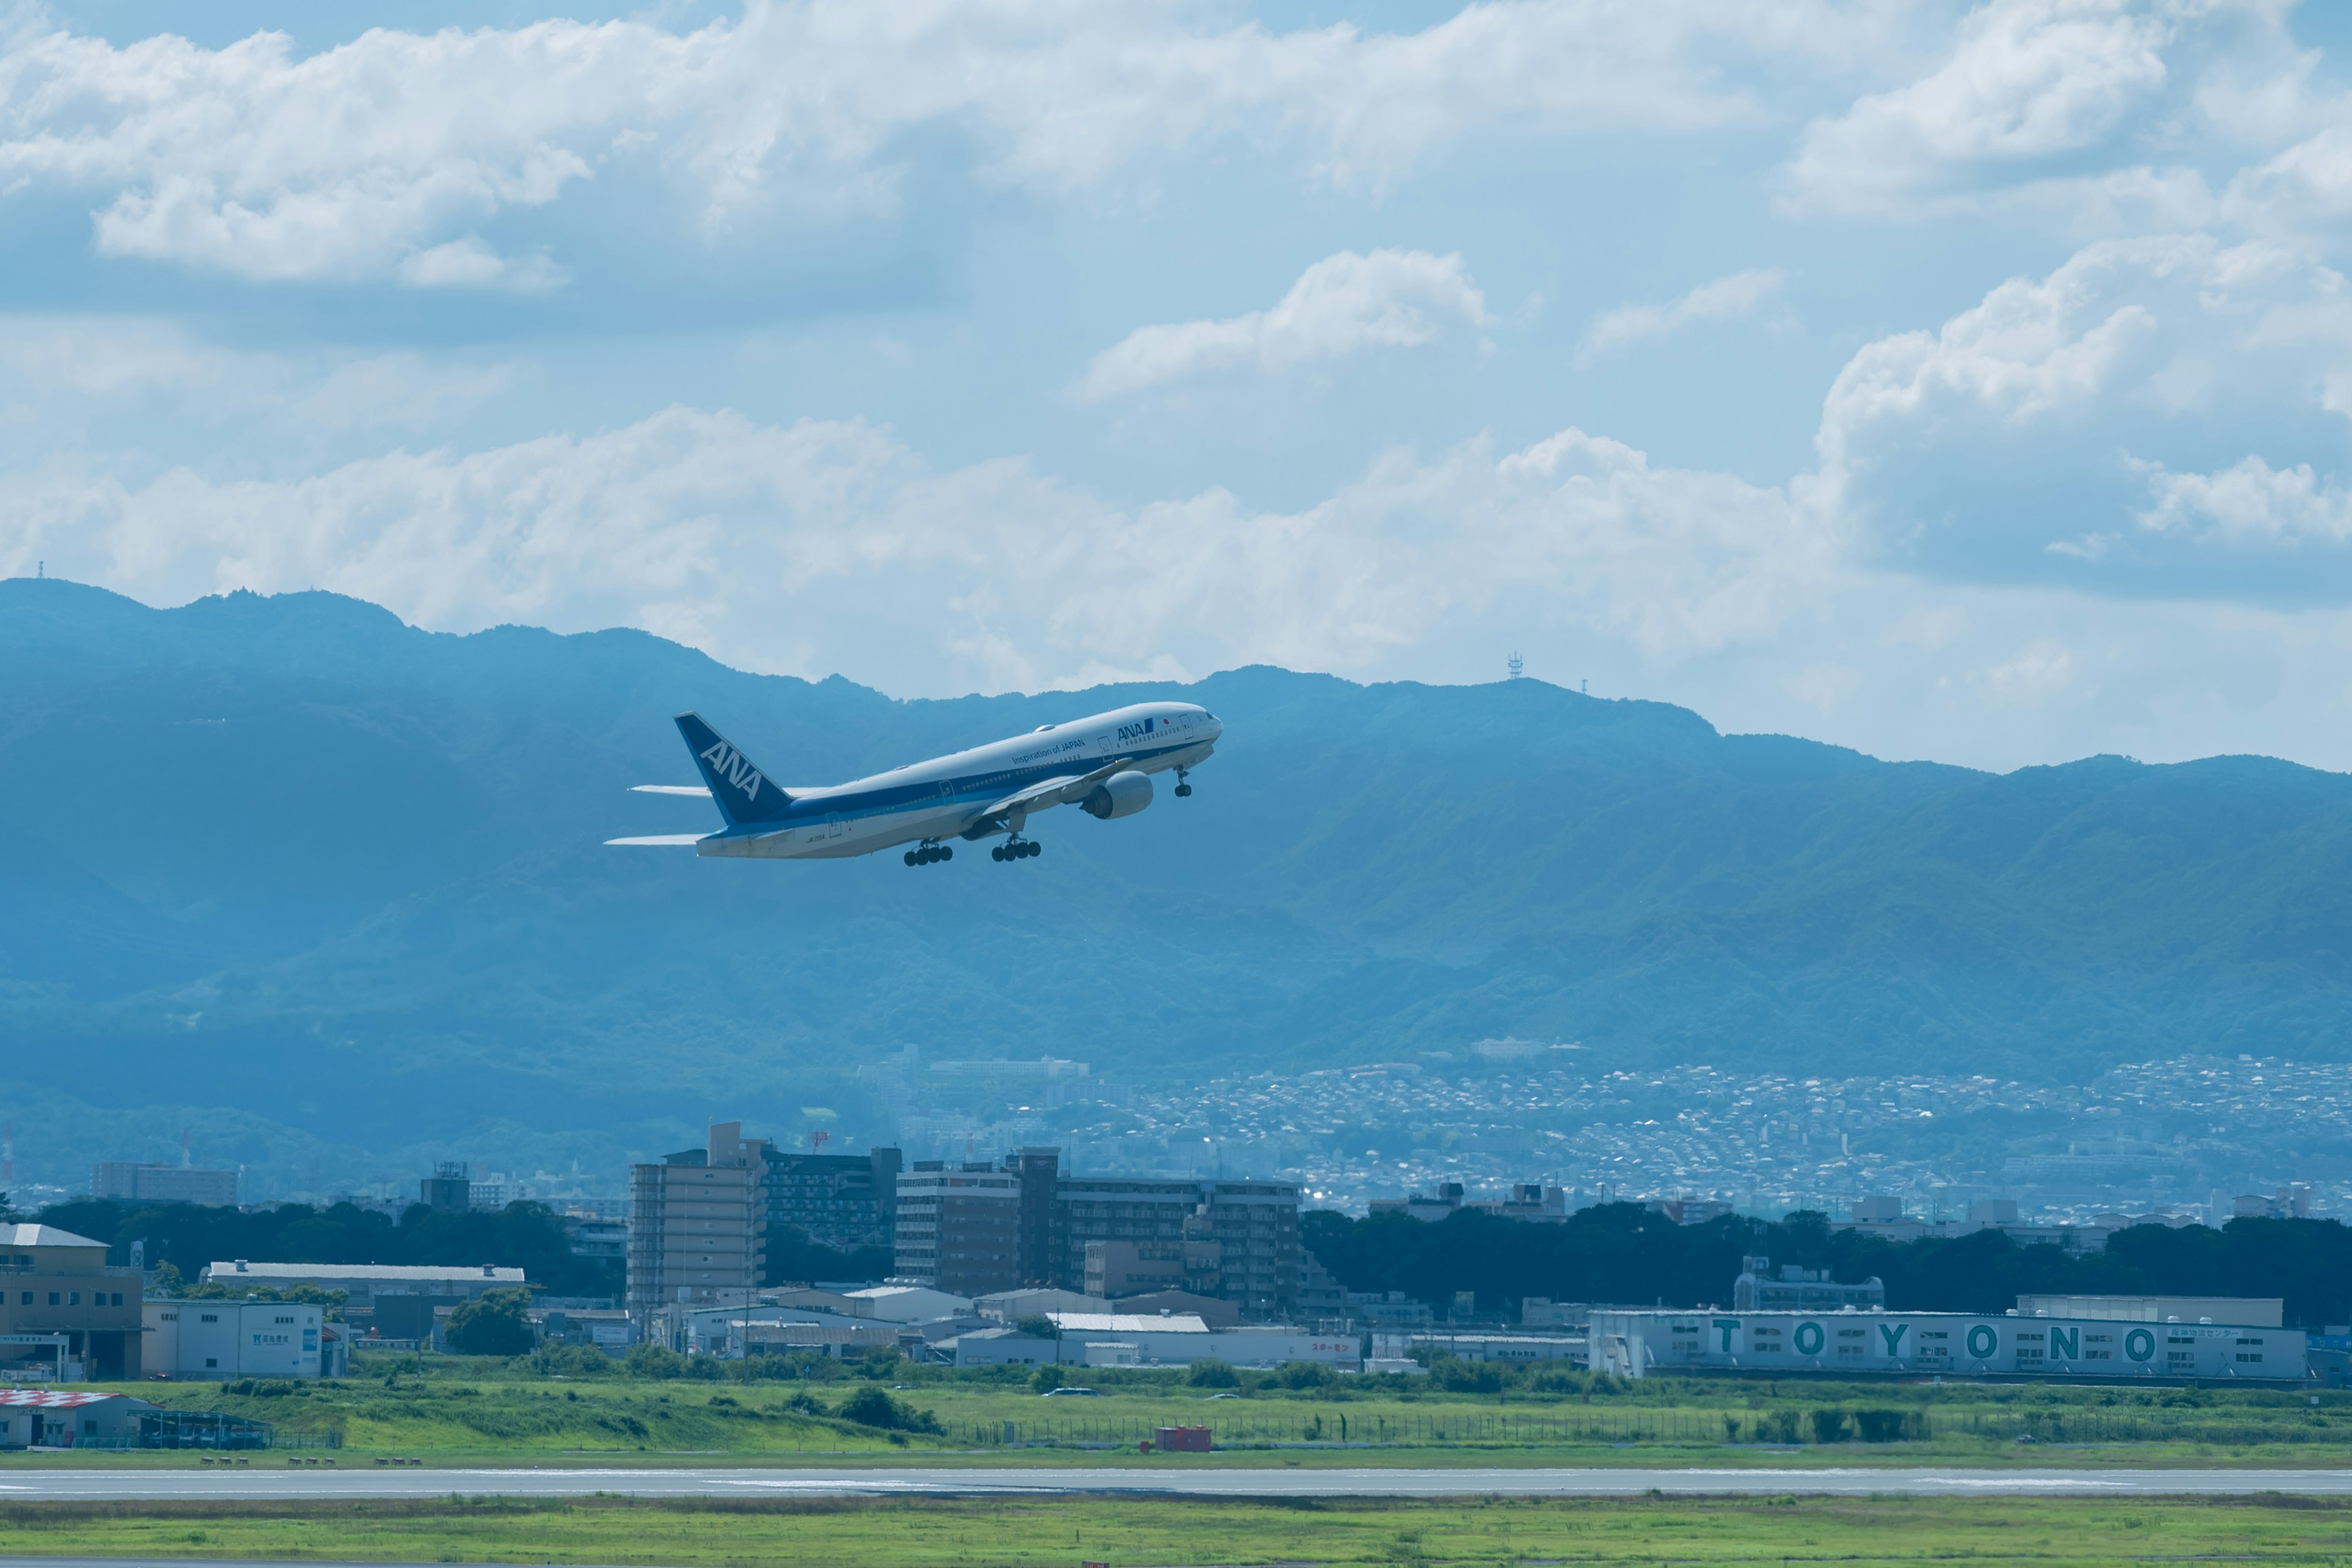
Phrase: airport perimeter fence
(1764, 1427)
(249, 1441)
(328, 1438)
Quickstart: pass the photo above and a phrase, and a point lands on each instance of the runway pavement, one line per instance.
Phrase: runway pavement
(140, 1485)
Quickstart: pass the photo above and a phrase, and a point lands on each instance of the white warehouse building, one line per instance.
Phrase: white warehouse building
(1950, 1345)
(219, 1340)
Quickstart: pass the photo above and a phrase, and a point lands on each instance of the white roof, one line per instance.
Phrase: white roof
(401, 1273)
(1128, 1323)
(42, 1236)
(52, 1399)
(905, 1303)
(1038, 1299)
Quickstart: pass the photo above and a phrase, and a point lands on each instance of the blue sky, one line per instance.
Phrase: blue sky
(1965, 382)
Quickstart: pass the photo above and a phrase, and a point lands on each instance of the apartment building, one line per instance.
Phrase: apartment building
(841, 1201)
(54, 1282)
(960, 1229)
(984, 1227)
(697, 1224)
(153, 1182)
(1234, 1240)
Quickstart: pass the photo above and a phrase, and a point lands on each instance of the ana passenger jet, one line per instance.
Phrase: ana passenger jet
(1102, 765)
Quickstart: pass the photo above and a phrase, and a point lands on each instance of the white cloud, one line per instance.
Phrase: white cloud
(1339, 306)
(2251, 501)
(355, 162)
(69, 384)
(2305, 188)
(2017, 439)
(2025, 82)
(831, 546)
(1723, 299)
(468, 263)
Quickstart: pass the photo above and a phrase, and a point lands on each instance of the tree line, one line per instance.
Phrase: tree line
(526, 1235)
(1625, 1254)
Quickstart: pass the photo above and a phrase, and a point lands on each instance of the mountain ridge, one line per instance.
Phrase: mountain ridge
(294, 846)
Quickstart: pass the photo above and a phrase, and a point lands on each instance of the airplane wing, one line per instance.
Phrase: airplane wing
(1049, 793)
(670, 840)
(700, 791)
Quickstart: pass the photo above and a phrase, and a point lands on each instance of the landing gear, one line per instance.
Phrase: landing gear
(1016, 849)
(1182, 785)
(931, 852)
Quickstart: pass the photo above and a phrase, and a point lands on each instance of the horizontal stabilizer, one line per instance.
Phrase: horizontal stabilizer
(702, 790)
(667, 840)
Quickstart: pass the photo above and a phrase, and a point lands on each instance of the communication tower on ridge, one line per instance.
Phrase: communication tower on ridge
(1517, 666)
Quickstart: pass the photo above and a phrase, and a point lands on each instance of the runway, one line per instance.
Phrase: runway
(180, 1486)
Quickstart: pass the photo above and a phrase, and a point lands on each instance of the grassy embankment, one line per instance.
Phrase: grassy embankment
(949, 1534)
(460, 1411)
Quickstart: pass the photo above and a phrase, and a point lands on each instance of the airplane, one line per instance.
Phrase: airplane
(1102, 764)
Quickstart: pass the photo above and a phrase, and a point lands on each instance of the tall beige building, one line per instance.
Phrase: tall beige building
(697, 1225)
(59, 1283)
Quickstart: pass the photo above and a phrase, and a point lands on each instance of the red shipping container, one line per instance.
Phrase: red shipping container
(1181, 1440)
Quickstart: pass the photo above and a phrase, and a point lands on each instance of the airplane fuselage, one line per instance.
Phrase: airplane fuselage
(951, 797)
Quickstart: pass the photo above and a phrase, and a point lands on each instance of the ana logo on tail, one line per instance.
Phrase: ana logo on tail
(725, 760)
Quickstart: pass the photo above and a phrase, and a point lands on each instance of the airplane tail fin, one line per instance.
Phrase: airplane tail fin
(742, 790)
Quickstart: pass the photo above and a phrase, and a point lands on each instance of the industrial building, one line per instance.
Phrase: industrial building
(697, 1224)
(53, 1283)
(152, 1182)
(2261, 1311)
(380, 1300)
(944, 1328)
(1796, 1290)
(54, 1418)
(1515, 1350)
(219, 1340)
(1528, 1201)
(1123, 1338)
(1635, 1343)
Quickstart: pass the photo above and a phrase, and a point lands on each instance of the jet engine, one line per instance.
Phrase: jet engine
(1121, 795)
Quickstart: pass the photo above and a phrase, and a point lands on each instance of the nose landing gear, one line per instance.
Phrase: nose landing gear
(1016, 849)
(1183, 785)
(931, 852)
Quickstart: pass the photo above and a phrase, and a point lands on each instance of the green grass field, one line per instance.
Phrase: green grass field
(2046, 1533)
(458, 1413)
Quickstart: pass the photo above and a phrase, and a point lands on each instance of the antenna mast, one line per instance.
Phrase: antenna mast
(1517, 666)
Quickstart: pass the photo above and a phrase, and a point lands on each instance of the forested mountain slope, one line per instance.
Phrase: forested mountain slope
(291, 856)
